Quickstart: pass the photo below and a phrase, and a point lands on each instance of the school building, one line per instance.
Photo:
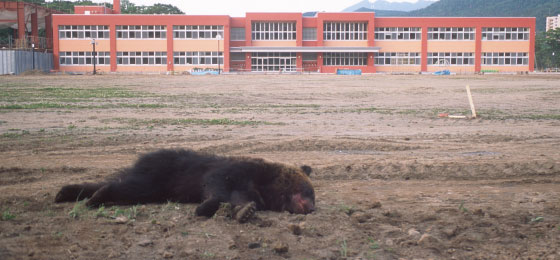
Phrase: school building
(289, 42)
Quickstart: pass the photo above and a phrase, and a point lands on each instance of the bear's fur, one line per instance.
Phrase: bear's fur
(187, 176)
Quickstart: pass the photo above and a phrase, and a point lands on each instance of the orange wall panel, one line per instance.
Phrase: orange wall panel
(122, 68)
(455, 69)
(141, 45)
(451, 46)
(345, 43)
(398, 68)
(88, 68)
(505, 46)
(197, 45)
(506, 68)
(399, 46)
(274, 43)
(83, 45)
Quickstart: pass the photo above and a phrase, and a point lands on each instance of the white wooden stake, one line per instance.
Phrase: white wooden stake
(471, 102)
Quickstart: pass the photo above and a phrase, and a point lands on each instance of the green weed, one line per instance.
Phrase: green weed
(343, 248)
(7, 215)
(373, 245)
(79, 209)
(462, 207)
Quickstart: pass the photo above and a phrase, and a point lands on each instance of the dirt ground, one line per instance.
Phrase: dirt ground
(392, 179)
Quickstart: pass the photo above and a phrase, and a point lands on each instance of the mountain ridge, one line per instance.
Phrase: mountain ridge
(483, 8)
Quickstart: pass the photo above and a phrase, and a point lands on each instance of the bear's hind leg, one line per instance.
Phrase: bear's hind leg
(77, 192)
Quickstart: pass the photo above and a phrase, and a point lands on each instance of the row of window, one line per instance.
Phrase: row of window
(451, 33)
(278, 31)
(84, 58)
(505, 58)
(83, 31)
(451, 58)
(397, 58)
(198, 58)
(273, 31)
(198, 31)
(345, 59)
(281, 59)
(141, 32)
(398, 33)
(343, 31)
(507, 34)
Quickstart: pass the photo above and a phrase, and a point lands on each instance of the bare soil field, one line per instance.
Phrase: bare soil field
(392, 179)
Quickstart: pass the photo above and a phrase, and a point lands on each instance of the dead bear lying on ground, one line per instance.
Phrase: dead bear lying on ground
(187, 176)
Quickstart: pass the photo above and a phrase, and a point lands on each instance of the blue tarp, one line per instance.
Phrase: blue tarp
(204, 72)
(348, 72)
(442, 72)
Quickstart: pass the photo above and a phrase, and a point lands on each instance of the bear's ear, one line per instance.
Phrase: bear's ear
(306, 169)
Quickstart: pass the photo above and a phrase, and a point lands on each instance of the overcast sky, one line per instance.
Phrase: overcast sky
(238, 8)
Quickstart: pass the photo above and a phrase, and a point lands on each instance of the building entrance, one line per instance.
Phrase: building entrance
(273, 61)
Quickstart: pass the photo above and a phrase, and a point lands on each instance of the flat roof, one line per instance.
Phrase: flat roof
(304, 49)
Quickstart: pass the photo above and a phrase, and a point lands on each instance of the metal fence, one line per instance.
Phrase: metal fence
(19, 61)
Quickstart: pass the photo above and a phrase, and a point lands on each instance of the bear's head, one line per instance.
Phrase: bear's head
(292, 190)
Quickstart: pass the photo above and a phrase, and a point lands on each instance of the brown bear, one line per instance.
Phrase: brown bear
(187, 176)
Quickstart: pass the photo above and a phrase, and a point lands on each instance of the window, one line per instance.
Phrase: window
(142, 58)
(451, 58)
(141, 32)
(345, 59)
(309, 34)
(83, 32)
(505, 34)
(309, 56)
(345, 31)
(237, 56)
(84, 58)
(237, 34)
(505, 58)
(398, 33)
(451, 33)
(273, 31)
(191, 32)
(198, 58)
(397, 58)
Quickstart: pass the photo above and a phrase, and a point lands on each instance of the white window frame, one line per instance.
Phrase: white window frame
(142, 32)
(506, 34)
(84, 58)
(505, 58)
(66, 32)
(345, 31)
(197, 32)
(146, 58)
(345, 59)
(188, 58)
(397, 59)
(451, 33)
(451, 58)
(398, 34)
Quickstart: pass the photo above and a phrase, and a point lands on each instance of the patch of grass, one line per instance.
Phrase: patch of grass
(188, 121)
(170, 205)
(68, 94)
(7, 215)
(343, 248)
(15, 135)
(79, 210)
(462, 207)
(36, 106)
(347, 209)
(373, 245)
